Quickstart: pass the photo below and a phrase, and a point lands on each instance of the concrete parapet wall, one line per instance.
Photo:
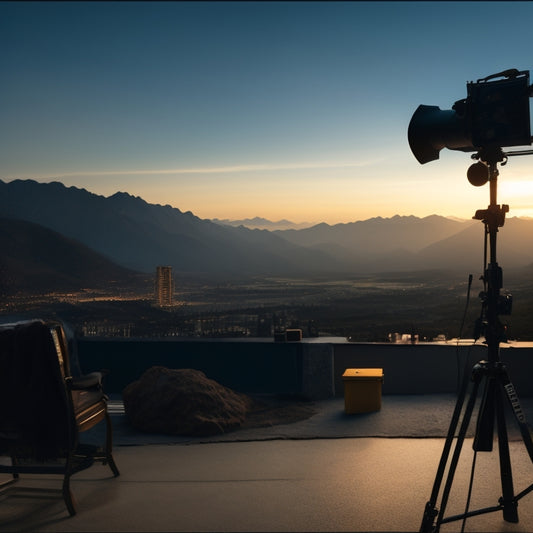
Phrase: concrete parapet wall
(318, 371)
(408, 369)
(428, 368)
(249, 367)
(310, 369)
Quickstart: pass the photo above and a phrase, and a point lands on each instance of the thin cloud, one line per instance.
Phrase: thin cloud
(212, 170)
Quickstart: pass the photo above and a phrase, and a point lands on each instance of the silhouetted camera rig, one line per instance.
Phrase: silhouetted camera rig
(494, 114)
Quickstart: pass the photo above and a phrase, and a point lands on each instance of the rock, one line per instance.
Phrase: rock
(183, 402)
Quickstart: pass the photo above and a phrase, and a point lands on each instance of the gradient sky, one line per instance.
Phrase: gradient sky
(274, 109)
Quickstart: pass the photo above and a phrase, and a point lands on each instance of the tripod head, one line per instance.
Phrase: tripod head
(494, 215)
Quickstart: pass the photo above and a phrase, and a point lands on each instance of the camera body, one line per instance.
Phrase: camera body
(495, 113)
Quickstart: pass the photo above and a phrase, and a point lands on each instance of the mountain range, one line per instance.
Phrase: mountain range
(137, 236)
(263, 223)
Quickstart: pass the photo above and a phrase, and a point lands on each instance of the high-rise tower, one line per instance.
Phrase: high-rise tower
(164, 285)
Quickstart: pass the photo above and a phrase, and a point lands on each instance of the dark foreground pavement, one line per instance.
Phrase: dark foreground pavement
(287, 484)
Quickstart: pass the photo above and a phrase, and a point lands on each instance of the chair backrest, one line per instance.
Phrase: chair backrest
(35, 407)
(71, 344)
(61, 346)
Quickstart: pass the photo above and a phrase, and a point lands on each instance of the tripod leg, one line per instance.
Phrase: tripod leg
(484, 438)
(457, 452)
(508, 501)
(430, 511)
(520, 419)
(518, 413)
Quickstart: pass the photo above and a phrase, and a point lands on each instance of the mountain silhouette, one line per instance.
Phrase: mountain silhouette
(35, 258)
(378, 235)
(465, 250)
(139, 236)
(263, 223)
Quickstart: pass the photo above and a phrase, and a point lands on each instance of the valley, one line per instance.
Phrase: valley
(363, 308)
(91, 261)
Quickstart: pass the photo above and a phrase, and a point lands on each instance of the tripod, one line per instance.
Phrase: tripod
(492, 377)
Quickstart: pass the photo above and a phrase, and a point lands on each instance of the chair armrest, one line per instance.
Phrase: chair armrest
(87, 381)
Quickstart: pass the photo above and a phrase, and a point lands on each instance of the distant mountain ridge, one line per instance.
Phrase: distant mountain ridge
(378, 234)
(139, 236)
(263, 223)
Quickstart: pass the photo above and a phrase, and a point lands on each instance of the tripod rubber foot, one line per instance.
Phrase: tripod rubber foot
(428, 521)
(510, 511)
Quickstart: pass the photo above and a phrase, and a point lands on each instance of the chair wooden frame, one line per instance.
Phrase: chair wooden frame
(82, 404)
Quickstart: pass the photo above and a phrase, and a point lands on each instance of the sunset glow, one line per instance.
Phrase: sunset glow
(283, 110)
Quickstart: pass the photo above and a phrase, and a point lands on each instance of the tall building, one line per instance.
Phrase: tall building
(164, 285)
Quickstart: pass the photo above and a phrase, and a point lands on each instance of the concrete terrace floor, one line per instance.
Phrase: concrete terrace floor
(289, 484)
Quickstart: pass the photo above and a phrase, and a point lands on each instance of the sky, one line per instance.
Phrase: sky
(231, 110)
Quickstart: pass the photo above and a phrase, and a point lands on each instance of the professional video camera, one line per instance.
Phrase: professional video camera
(494, 114)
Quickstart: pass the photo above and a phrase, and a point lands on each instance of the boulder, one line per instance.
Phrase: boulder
(183, 402)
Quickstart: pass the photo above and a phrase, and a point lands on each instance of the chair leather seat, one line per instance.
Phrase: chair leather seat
(89, 407)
